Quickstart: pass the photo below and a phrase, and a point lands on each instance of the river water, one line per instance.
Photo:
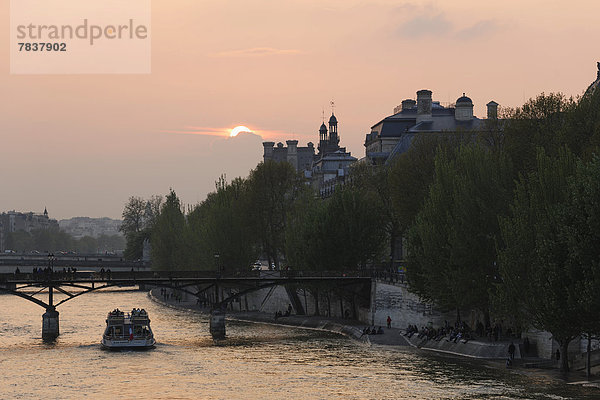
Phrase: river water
(257, 361)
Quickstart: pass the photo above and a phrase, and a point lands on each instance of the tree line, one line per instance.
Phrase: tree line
(504, 221)
(55, 240)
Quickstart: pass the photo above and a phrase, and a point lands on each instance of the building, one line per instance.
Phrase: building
(13, 221)
(301, 158)
(394, 134)
(79, 227)
(325, 169)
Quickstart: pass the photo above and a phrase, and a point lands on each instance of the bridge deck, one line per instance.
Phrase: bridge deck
(58, 278)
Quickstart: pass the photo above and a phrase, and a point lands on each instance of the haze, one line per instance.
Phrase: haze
(80, 145)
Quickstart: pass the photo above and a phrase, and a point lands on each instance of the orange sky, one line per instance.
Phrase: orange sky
(82, 144)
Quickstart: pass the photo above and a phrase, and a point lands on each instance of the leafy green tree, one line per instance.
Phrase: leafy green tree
(138, 219)
(220, 226)
(167, 235)
(273, 187)
(340, 233)
(411, 173)
(538, 274)
(19, 241)
(452, 245)
(540, 122)
(375, 179)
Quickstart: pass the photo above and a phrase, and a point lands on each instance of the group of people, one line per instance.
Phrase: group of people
(45, 273)
(287, 313)
(105, 273)
(137, 312)
(372, 331)
(458, 332)
(173, 295)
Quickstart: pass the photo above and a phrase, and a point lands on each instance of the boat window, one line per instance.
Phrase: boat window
(118, 330)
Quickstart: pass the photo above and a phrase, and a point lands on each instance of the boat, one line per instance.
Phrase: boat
(128, 330)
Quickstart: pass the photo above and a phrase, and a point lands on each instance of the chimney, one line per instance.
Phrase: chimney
(492, 110)
(424, 106)
(268, 155)
(292, 153)
(408, 104)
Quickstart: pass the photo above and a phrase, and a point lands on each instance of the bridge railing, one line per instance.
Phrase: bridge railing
(86, 275)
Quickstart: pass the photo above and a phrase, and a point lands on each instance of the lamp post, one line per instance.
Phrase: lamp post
(217, 264)
(51, 259)
(217, 316)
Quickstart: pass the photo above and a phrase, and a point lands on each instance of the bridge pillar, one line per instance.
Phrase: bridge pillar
(50, 324)
(217, 324)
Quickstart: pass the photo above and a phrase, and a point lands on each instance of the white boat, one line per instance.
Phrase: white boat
(128, 330)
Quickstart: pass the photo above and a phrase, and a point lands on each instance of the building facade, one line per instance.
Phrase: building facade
(79, 227)
(13, 221)
(394, 134)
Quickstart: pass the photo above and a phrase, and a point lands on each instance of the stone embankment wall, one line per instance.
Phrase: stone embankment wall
(471, 349)
(403, 307)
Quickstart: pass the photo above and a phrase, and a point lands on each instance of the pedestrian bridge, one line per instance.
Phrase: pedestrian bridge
(41, 287)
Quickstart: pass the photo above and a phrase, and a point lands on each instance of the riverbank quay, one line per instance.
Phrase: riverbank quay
(493, 354)
(349, 328)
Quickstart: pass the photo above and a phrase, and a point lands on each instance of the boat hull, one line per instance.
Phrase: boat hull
(124, 344)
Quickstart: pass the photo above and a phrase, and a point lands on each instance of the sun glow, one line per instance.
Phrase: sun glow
(238, 129)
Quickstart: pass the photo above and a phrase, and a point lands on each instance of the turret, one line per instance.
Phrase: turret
(492, 110)
(464, 109)
(268, 147)
(333, 132)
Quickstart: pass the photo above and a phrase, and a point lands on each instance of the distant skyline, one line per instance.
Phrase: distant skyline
(80, 145)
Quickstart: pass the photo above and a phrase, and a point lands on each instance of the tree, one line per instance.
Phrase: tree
(138, 218)
(452, 244)
(540, 122)
(375, 179)
(340, 233)
(167, 235)
(273, 187)
(132, 227)
(220, 226)
(538, 275)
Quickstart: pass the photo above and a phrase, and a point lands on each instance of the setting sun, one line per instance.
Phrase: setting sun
(235, 131)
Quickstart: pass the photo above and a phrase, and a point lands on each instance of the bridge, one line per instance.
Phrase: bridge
(59, 260)
(205, 285)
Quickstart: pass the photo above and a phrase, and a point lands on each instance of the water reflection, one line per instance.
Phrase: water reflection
(255, 362)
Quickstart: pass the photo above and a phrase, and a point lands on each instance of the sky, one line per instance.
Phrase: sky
(81, 145)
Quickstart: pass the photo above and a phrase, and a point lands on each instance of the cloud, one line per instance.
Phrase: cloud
(482, 28)
(426, 25)
(199, 130)
(257, 52)
(264, 134)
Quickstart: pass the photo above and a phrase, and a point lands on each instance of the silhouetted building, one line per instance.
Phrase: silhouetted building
(325, 169)
(13, 221)
(79, 227)
(394, 134)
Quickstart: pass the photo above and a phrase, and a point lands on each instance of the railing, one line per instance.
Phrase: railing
(141, 276)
